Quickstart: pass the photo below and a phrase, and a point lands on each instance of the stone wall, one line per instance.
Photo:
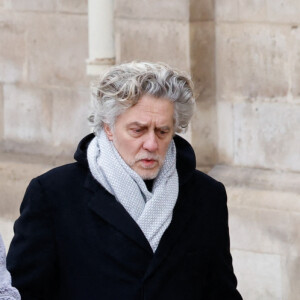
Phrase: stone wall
(264, 216)
(243, 56)
(43, 78)
(258, 113)
(43, 83)
(258, 44)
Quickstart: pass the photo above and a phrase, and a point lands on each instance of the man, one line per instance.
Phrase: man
(132, 218)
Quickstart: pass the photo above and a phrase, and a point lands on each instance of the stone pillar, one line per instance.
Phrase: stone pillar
(101, 36)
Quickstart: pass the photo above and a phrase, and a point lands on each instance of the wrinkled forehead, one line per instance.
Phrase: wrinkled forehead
(149, 110)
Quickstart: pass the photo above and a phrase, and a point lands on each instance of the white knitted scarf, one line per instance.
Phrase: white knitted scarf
(152, 211)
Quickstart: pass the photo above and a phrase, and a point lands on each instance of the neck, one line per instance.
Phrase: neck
(149, 184)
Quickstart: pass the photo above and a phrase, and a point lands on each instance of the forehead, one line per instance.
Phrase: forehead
(150, 110)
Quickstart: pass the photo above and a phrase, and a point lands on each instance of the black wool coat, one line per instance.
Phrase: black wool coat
(73, 240)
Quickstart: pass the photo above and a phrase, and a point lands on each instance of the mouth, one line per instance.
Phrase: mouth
(148, 163)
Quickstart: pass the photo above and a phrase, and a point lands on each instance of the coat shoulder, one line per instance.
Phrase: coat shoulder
(209, 182)
(205, 188)
(64, 175)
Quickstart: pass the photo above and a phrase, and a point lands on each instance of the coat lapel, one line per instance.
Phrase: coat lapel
(105, 205)
(182, 213)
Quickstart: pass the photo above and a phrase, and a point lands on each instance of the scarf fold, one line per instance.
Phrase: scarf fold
(152, 211)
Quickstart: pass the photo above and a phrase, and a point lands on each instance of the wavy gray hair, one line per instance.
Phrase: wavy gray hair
(122, 86)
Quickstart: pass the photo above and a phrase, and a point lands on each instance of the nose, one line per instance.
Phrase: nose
(150, 143)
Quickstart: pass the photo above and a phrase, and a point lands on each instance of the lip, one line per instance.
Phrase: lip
(148, 162)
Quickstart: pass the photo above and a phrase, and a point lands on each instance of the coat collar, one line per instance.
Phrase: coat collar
(105, 205)
(182, 213)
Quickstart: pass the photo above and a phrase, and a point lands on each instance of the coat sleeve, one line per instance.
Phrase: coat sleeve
(222, 283)
(7, 292)
(31, 258)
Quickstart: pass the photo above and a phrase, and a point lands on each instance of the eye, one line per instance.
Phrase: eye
(162, 132)
(136, 131)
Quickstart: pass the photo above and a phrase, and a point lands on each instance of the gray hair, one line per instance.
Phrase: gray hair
(122, 86)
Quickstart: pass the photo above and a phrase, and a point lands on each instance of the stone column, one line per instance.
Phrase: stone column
(101, 36)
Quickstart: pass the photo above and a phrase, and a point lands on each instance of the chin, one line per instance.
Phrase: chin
(148, 175)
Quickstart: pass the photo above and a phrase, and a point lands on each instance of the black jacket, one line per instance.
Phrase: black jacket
(73, 240)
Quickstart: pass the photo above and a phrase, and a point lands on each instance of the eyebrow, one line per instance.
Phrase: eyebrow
(144, 125)
(164, 128)
(137, 124)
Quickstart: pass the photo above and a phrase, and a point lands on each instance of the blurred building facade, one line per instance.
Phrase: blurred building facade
(244, 58)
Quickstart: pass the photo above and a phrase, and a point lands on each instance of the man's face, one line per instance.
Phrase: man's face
(143, 133)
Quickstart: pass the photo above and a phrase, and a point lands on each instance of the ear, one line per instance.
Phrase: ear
(108, 131)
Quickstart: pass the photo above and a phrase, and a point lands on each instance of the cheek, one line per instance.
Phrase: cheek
(164, 148)
(130, 148)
